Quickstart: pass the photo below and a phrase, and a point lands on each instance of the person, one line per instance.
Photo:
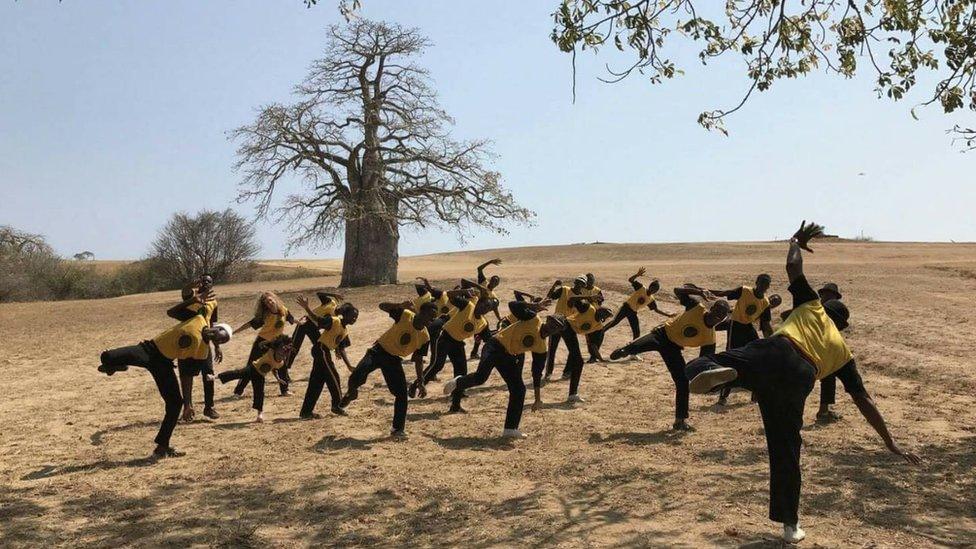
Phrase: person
(695, 327)
(586, 319)
(270, 315)
(405, 338)
(594, 339)
(561, 295)
(781, 370)
(491, 284)
(503, 351)
(751, 304)
(304, 329)
(190, 338)
(274, 353)
(190, 367)
(466, 322)
(828, 385)
(641, 297)
(442, 307)
(331, 336)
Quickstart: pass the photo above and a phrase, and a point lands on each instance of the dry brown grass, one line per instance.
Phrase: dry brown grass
(73, 442)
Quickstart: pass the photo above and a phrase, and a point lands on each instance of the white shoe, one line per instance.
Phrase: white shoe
(575, 398)
(450, 385)
(513, 433)
(708, 380)
(793, 534)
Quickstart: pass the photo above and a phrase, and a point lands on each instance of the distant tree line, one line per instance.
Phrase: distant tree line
(221, 244)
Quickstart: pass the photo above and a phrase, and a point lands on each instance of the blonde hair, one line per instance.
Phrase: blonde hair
(260, 309)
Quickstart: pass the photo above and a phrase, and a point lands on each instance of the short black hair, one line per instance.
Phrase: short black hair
(765, 277)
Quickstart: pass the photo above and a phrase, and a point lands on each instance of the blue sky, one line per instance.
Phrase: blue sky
(114, 115)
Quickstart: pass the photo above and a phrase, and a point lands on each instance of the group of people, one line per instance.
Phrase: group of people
(779, 368)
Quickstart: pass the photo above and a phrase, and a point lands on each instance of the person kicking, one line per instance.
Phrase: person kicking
(641, 297)
(270, 315)
(586, 319)
(693, 328)
(331, 336)
(191, 338)
(781, 370)
(751, 304)
(191, 367)
(405, 338)
(328, 302)
(505, 352)
(274, 355)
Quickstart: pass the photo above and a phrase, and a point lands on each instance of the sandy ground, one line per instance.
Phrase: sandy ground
(74, 443)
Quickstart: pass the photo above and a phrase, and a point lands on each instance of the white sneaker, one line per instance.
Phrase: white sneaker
(575, 399)
(793, 534)
(450, 385)
(708, 380)
(513, 433)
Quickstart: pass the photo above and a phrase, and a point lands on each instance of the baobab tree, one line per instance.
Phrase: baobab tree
(369, 149)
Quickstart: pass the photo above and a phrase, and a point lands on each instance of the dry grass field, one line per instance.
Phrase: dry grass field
(73, 443)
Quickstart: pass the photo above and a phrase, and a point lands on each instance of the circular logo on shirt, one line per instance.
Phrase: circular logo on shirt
(264, 368)
(279, 324)
(751, 310)
(405, 339)
(690, 331)
(641, 300)
(586, 326)
(528, 340)
(184, 341)
(469, 327)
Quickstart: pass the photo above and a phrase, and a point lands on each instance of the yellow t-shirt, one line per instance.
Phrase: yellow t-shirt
(640, 298)
(585, 322)
(267, 362)
(274, 324)
(443, 304)
(689, 329)
(335, 335)
(522, 336)
(421, 299)
(748, 307)
(185, 340)
(562, 304)
(809, 327)
(402, 339)
(326, 309)
(463, 324)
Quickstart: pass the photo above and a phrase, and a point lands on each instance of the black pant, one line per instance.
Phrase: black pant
(781, 379)
(434, 331)
(323, 373)
(657, 340)
(574, 361)
(249, 373)
(739, 336)
(146, 355)
(551, 347)
(447, 348)
(306, 329)
(378, 359)
(191, 367)
(256, 351)
(631, 316)
(828, 389)
(494, 356)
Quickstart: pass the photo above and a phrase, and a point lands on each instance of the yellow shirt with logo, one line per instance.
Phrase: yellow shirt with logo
(585, 322)
(689, 329)
(421, 299)
(463, 324)
(809, 327)
(267, 363)
(326, 309)
(522, 336)
(640, 298)
(274, 324)
(748, 307)
(335, 335)
(443, 304)
(562, 304)
(185, 340)
(403, 339)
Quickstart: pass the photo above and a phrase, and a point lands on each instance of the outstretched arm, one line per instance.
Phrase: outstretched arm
(873, 416)
(633, 278)
(524, 296)
(324, 296)
(551, 294)
(653, 306)
(800, 241)
(481, 269)
(395, 308)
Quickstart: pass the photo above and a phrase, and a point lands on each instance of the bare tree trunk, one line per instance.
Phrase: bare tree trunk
(371, 253)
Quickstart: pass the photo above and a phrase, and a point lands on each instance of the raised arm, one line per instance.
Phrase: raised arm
(551, 293)
(525, 296)
(395, 308)
(481, 269)
(324, 296)
(324, 323)
(800, 241)
(195, 298)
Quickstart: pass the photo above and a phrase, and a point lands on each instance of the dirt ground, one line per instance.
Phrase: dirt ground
(73, 443)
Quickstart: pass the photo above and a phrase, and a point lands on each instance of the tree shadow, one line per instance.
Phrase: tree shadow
(234, 426)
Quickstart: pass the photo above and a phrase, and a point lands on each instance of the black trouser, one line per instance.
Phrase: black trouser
(739, 336)
(378, 359)
(323, 373)
(256, 351)
(574, 361)
(251, 374)
(828, 390)
(631, 316)
(494, 356)
(551, 347)
(657, 340)
(593, 342)
(306, 329)
(781, 379)
(146, 355)
(191, 367)
(434, 331)
(447, 348)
